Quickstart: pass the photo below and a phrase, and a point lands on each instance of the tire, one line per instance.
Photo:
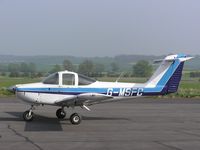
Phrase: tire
(75, 119)
(28, 117)
(60, 113)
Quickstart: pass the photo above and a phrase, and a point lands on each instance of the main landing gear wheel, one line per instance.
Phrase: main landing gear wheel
(75, 119)
(60, 113)
(28, 115)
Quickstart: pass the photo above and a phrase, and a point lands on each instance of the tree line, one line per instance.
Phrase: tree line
(87, 67)
(19, 70)
(195, 74)
(141, 69)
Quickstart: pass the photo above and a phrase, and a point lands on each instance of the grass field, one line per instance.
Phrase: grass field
(6, 82)
(189, 87)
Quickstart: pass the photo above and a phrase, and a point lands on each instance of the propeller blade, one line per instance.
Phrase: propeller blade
(12, 89)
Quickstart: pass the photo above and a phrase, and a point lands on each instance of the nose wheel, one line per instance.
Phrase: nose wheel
(28, 115)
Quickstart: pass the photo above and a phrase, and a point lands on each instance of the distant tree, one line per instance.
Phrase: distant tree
(127, 74)
(14, 74)
(3, 74)
(1, 67)
(13, 67)
(195, 74)
(67, 65)
(114, 67)
(86, 68)
(39, 74)
(14, 70)
(56, 68)
(24, 67)
(99, 69)
(32, 67)
(33, 75)
(142, 69)
(27, 69)
(25, 74)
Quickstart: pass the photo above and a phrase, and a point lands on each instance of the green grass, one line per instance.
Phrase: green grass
(6, 82)
(189, 88)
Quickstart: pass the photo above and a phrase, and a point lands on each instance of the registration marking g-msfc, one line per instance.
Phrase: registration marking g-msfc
(125, 91)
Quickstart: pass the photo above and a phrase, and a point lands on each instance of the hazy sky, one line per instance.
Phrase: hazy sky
(99, 27)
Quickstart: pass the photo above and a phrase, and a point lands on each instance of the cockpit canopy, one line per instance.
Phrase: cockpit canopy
(68, 78)
(51, 79)
(84, 80)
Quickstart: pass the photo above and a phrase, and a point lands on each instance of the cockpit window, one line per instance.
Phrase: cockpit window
(68, 79)
(52, 79)
(83, 80)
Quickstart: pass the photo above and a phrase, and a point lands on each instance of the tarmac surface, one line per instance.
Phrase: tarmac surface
(142, 124)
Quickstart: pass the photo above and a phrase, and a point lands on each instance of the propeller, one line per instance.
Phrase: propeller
(12, 89)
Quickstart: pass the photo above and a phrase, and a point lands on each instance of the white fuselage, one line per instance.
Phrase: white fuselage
(39, 93)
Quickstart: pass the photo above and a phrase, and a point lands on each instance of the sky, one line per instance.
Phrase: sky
(99, 27)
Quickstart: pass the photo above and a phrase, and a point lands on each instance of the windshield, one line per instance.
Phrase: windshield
(52, 79)
(83, 80)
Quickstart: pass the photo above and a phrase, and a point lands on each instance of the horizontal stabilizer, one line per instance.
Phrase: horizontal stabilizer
(172, 58)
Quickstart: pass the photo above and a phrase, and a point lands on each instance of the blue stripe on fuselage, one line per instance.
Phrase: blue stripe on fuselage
(71, 91)
(129, 91)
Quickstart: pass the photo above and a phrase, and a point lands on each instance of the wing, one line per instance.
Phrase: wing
(83, 99)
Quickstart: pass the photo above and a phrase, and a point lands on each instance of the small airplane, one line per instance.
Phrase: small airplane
(70, 89)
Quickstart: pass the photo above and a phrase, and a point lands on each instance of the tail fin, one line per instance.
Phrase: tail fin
(167, 77)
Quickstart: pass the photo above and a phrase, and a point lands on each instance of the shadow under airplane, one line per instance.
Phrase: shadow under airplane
(44, 123)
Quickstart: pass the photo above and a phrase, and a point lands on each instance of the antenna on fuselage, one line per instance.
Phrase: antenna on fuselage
(119, 77)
